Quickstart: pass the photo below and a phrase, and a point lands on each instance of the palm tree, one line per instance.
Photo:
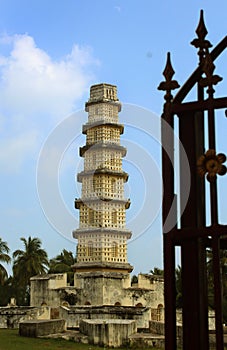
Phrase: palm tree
(5, 258)
(63, 263)
(31, 261)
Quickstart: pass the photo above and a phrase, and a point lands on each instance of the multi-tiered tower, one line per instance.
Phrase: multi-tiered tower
(102, 235)
(102, 272)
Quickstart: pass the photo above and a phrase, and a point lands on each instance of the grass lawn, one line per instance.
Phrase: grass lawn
(10, 340)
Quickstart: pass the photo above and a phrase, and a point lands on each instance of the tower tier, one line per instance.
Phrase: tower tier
(101, 246)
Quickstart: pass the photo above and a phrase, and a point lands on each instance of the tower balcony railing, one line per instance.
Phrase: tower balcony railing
(103, 121)
(102, 170)
(92, 202)
(104, 145)
(86, 195)
(115, 141)
(102, 224)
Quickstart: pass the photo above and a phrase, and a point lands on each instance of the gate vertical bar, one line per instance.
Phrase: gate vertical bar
(195, 327)
(168, 199)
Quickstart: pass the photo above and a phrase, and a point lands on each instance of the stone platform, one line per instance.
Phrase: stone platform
(112, 333)
(36, 328)
(147, 340)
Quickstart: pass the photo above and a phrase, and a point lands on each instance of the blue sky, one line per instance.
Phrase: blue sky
(50, 54)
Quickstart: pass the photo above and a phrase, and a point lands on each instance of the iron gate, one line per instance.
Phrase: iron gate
(192, 233)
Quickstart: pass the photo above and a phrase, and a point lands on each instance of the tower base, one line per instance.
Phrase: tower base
(103, 286)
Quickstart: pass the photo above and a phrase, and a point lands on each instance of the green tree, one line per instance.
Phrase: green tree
(157, 271)
(31, 261)
(5, 258)
(63, 263)
(134, 279)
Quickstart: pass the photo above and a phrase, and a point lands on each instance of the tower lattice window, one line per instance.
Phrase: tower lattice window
(90, 248)
(115, 249)
(114, 217)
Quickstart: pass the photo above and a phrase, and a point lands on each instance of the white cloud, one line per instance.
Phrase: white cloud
(35, 93)
(31, 81)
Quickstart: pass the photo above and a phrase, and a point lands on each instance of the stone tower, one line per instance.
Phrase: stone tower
(102, 273)
(102, 234)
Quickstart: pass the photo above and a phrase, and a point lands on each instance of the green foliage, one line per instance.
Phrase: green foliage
(12, 288)
(5, 292)
(31, 261)
(5, 258)
(157, 271)
(134, 279)
(63, 263)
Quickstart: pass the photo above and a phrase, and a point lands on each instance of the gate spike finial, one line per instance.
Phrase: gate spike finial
(201, 42)
(169, 84)
(201, 30)
(168, 71)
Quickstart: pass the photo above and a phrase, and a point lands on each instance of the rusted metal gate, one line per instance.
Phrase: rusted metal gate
(192, 234)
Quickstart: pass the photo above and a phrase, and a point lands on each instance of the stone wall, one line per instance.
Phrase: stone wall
(149, 281)
(211, 318)
(46, 289)
(159, 328)
(75, 314)
(115, 289)
(10, 317)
